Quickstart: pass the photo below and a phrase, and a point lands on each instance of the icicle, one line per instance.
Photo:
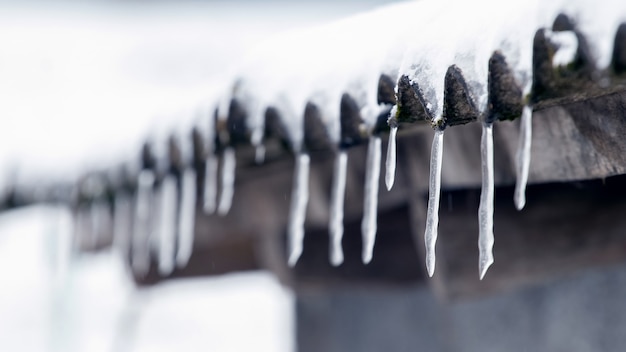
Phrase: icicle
(210, 184)
(167, 224)
(79, 229)
(228, 181)
(485, 210)
(297, 212)
(96, 220)
(63, 250)
(256, 140)
(434, 191)
(186, 218)
(523, 156)
(259, 154)
(390, 163)
(140, 257)
(370, 202)
(121, 224)
(336, 208)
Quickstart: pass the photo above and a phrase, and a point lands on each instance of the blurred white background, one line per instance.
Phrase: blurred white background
(88, 303)
(81, 85)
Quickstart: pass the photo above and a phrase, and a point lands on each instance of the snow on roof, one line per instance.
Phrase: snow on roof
(78, 83)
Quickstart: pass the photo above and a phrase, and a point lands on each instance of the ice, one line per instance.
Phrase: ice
(467, 41)
(297, 211)
(434, 191)
(370, 201)
(140, 255)
(210, 184)
(390, 163)
(485, 210)
(259, 154)
(99, 216)
(228, 181)
(168, 203)
(336, 208)
(523, 157)
(122, 223)
(186, 218)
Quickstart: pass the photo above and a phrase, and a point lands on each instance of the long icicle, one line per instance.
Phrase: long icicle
(186, 218)
(485, 210)
(167, 224)
(390, 163)
(210, 184)
(140, 255)
(336, 208)
(434, 191)
(297, 211)
(370, 202)
(228, 181)
(523, 157)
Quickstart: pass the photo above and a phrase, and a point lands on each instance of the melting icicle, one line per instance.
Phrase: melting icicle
(297, 212)
(140, 256)
(167, 224)
(370, 203)
(390, 163)
(336, 208)
(186, 219)
(259, 154)
(523, 156)
(434, 191)
(95, 217)
(122, 208)
(210, 184)
(79, 229)
(485, 210)
(228, 181)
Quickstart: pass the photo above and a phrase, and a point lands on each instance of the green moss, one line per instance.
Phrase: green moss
(439, 124)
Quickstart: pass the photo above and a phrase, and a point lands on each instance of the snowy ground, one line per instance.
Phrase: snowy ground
(91, 304)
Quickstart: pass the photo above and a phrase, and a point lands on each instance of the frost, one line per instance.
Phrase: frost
(297, 211)
(210, 184)
(523, 157)
(140, 255)
(186, 218)
(336, 208)
(390, 163)
(434, 191)
(485, 210)
(370, 194)
(168, 202)
(228, 181)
